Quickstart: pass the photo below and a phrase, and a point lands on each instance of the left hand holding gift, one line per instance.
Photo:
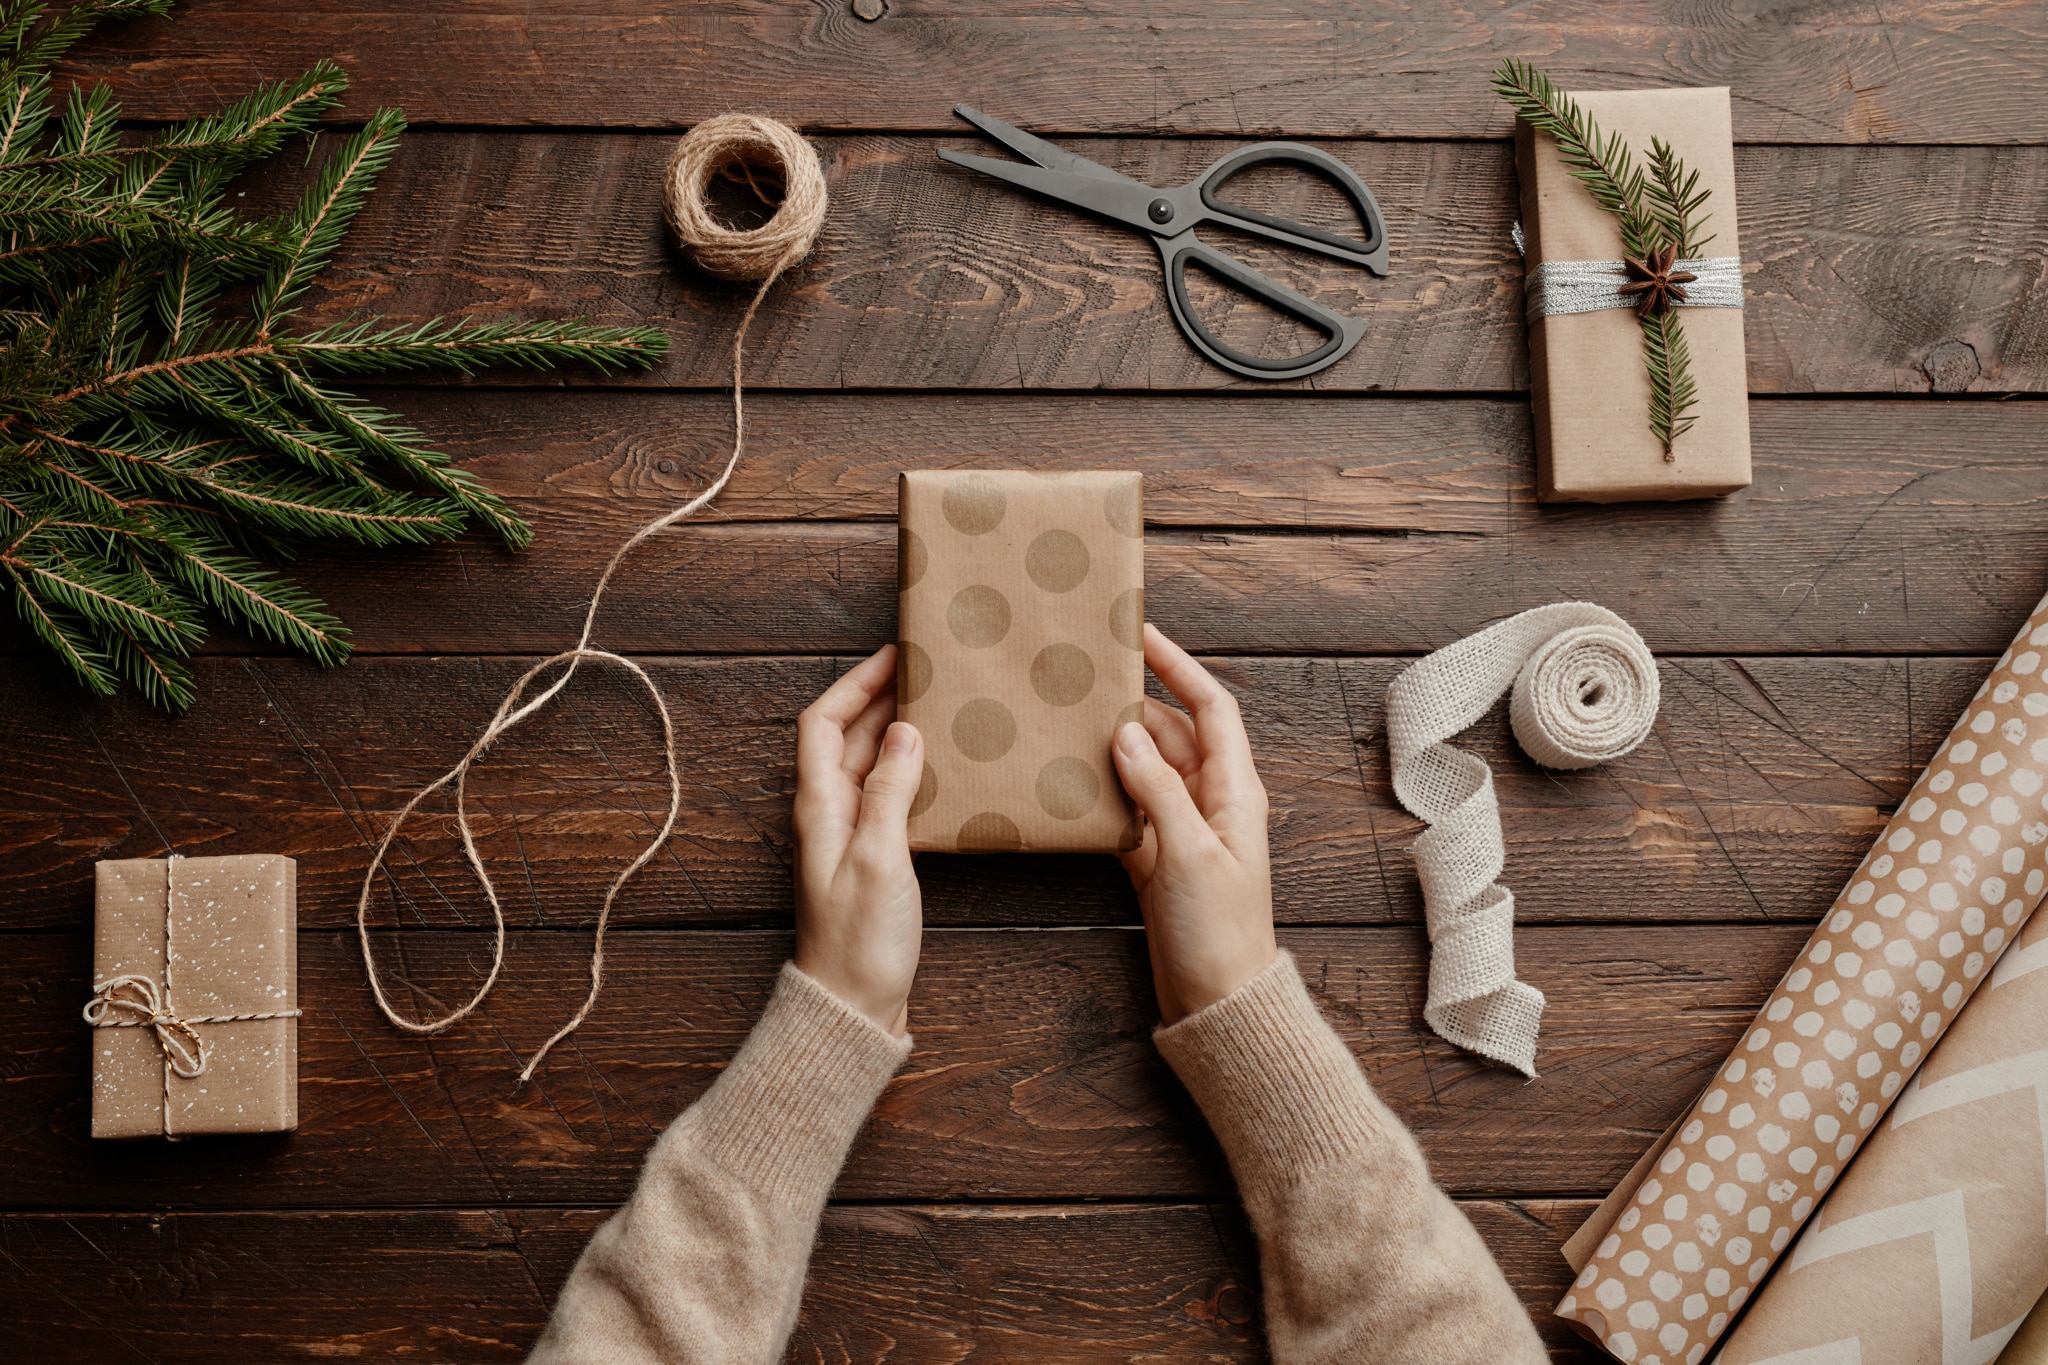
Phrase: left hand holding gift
(859, 915)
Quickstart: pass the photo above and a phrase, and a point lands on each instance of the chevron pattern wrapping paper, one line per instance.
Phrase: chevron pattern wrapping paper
(1933, 1247)
(1950, 881)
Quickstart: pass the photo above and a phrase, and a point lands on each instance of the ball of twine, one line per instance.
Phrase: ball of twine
(747, 141)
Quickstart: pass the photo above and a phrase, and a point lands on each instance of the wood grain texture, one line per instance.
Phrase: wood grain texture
(1240, 461)
(1034, 1075)
(1864, 263)
(908, 1284)
(1282, 526)
(1829, 72)
(1762, 786)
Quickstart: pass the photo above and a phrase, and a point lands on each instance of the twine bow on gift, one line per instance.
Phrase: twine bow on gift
(137, 1001)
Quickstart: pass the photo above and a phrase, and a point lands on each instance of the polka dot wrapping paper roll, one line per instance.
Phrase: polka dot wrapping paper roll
(1933, 1245)
(1021, 613)
(1947, 886)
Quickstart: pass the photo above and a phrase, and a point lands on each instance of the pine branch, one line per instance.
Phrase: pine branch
(320, 221)
(267, 603)
(378, 433)
(162, 448)
(467, 346)
(1672, 392)
(1676, 201)
(74, 647)
(1600, 162)
(162, 680)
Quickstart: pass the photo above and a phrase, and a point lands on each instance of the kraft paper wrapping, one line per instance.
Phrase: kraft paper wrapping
(1021, 625)
(1933, 1247)
(2030, 1345)
(217, 937)
(1587, 383)
(1952, 878)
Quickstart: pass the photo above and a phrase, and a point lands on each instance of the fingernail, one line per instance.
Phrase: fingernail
(1131, 738)
(902, 735)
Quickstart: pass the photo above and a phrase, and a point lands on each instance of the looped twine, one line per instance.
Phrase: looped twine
(136, 1001)
(740, 254)
(1585, 691)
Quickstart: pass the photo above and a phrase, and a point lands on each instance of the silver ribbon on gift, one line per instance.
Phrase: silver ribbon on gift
(1558, 287)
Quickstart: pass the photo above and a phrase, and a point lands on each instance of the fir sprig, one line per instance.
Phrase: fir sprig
(157, 456)
(1660, 209)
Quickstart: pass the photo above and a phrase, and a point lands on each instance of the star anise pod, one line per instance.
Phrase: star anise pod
(1656, 286)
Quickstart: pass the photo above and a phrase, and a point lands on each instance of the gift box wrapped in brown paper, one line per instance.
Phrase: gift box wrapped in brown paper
(1587, 381)
(1020, 634)
(195, 997)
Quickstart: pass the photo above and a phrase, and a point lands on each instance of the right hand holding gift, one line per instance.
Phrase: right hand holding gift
(1201, 873)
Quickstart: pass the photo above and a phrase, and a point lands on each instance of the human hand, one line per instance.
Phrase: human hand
(1201, 874)
(859, 916)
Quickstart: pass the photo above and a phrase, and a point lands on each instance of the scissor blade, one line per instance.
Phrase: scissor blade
(1122, 200)
(1037, 148)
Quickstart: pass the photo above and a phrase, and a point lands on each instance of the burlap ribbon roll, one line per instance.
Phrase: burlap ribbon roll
(1951, 880)
(1586, 691)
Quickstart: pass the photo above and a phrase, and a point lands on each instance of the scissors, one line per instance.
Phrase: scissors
(1170, 218)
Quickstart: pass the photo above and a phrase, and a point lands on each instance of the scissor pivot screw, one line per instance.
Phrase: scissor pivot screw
(1160, 210)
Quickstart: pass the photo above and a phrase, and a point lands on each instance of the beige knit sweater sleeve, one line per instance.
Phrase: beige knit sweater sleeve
(1363, 1257)
(705, 1264)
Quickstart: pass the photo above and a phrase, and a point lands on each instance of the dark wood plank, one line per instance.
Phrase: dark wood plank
(1834, 72)
(1862, 516)
(1762, 787)
(916, 1283)
(612, 459)
(1034, 1078)
(1865, 264)
(1388, 526)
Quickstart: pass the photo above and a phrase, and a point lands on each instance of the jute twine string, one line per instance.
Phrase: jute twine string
(1585, 691)
(742, 254)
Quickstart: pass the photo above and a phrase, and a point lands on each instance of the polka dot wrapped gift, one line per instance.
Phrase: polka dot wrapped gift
(1940, 895)
(1020, 626)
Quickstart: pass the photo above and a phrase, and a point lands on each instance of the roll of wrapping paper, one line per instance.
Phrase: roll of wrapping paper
(2030, 1345)
(1948, 884)
(1933, 1246)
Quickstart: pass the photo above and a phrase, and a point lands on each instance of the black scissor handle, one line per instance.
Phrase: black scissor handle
(1370, 253)
(1342, 332)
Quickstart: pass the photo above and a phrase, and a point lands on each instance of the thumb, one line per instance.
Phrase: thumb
(886, 795)
(1157, 788)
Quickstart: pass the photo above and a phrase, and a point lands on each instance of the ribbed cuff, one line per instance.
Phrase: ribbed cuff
(788, 1106)
(1278, 1086)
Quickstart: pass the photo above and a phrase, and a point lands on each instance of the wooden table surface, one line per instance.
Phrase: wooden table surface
(1034, 1185)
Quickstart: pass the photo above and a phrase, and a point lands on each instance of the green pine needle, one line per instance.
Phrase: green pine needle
(1664, 207)
(1672, 393)
(155, 454)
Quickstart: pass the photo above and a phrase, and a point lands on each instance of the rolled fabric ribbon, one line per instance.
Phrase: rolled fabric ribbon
(1953, 877)
(1933, 1246)
(1555, 288)
(1585, 691)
